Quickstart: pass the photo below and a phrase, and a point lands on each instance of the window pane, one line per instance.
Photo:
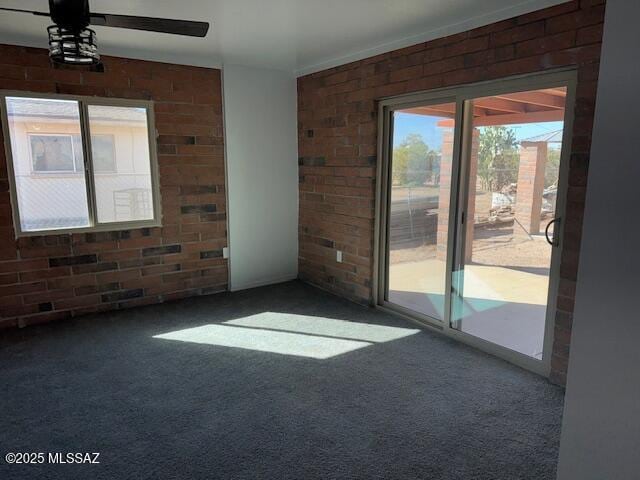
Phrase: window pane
(501, 290)
(121, 163)
(419, 207)
(47, 163)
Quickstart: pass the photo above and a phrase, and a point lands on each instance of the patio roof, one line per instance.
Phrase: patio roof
(545, 105)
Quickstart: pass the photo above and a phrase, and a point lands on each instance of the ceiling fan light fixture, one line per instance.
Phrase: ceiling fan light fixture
(73, 46)
(71, 42)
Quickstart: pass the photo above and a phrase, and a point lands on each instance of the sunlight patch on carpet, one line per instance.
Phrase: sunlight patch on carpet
(290, 334)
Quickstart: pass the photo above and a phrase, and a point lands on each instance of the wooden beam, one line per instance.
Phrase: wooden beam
(500, 105)
(560, 92)
(512, 119)
(434, 110)
(536, 98)
(441, 110)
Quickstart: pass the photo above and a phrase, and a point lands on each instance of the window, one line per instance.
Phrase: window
(104, 153)
(61, 182)
(53, 153)
(60, 153)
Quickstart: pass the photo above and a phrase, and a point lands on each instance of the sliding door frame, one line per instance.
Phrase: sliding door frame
(383, 198)
(463, 96)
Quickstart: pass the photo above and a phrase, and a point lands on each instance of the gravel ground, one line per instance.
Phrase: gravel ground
(497, 246)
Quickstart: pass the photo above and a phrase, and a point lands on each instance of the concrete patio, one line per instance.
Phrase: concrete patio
(503, 305)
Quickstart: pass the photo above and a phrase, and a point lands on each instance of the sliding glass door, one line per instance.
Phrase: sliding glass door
(509, 195)
(419, 193)
(470, 212)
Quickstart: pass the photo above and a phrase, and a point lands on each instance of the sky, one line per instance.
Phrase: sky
(406, 123)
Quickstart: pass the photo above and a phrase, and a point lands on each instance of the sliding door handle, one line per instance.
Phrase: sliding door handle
(555, 241)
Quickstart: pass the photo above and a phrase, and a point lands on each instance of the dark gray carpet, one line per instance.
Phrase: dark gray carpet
(421, 407)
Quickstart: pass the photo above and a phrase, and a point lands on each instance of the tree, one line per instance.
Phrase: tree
(413, 162)
(552, 168)
(400, 165)
(497, 157)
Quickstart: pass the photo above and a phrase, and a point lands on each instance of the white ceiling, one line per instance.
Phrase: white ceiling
(300, 36)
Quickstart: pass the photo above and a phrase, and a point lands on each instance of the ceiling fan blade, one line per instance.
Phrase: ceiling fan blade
(19, 10)
(163, 25)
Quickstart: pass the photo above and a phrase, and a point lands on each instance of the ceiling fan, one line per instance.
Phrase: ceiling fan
(71, 42)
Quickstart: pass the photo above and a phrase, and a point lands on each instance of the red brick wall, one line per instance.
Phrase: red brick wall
(337, 110)
(49, 277)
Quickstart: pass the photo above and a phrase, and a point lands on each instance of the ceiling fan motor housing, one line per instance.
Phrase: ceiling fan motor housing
(70, 41)
(70, 14)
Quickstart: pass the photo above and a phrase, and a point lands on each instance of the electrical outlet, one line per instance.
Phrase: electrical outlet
(339, 256)
(225, 252)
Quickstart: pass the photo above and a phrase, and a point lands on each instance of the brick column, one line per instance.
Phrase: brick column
(445, 192)
(533, 159)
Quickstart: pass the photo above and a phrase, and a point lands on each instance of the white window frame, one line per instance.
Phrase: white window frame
(84, 103)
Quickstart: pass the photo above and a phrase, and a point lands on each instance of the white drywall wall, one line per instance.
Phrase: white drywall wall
(601, 424)
(262, 175)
